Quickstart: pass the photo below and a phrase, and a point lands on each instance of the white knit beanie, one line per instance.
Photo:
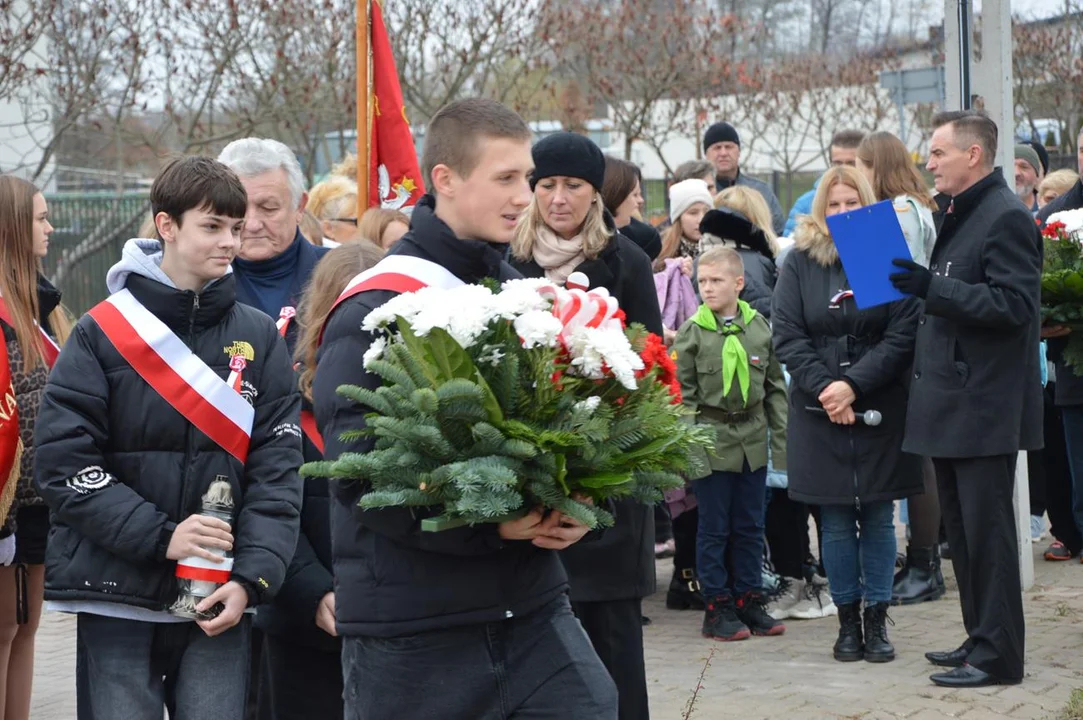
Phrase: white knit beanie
(687, 193)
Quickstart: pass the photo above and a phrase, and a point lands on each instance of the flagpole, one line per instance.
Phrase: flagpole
(364, 93)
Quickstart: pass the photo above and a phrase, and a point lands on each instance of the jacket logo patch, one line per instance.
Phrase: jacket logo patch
(240, 348)
(754, 359)
(90, 480)
(249, 392)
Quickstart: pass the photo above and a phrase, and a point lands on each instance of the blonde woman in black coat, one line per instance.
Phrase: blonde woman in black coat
(567, 229)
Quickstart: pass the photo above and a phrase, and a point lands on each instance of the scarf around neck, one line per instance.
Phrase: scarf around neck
(557, 256)
(734, 355)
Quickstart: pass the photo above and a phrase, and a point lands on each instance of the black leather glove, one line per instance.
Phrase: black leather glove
(915, 281)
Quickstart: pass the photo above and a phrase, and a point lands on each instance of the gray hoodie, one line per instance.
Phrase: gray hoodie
(142, 257)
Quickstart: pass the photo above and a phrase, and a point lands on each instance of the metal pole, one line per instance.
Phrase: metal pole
(902, 113)
(964, 52)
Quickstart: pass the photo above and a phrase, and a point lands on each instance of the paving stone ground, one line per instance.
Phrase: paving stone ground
(788, 677)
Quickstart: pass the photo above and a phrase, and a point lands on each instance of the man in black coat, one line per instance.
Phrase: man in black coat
(1066, 499)
(975, 398)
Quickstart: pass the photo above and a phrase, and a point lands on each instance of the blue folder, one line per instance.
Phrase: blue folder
(868, 239)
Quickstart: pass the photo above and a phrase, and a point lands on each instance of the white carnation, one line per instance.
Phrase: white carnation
(520, 296)
(594, 348)
(406, 306)
(590, 404)
(375, 351)
(538, 327)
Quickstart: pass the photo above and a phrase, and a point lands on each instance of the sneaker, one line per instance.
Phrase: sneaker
(665, 549)
(1057, 552)
(720, 621)
(751, 611)
(814, 603)
(771, 583)
(1037, 528)
(791, 592)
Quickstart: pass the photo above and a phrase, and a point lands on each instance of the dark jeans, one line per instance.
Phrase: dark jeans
(731, 518)
(615, 628)
(540, 666)
(133, 670)
(663, 525)
(1058, 481)
(787, 535)
(685, 528)
(299, 682)
(859, 551)
(1073, 435)
(976, 501)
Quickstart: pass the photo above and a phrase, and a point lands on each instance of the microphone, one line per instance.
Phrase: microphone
(871, 418)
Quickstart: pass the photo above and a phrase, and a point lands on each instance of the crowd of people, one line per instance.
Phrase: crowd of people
(235, 318)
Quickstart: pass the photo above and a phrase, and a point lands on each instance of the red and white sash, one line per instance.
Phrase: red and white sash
(176, 373)
(285, 316)
(401, 274)
(49, 347)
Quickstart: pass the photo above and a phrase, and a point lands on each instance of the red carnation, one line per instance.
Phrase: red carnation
(655, 355)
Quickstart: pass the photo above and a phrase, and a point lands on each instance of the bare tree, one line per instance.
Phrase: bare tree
(648, 62)
(1047, 72)
(447, 49)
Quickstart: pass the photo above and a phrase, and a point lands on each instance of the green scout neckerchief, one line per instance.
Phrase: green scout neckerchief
(734, 356)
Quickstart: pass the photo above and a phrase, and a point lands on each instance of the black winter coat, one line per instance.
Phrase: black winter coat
(620, 564)
(976, 388)
(292, 613)
(391, 578)
(120, 468)
(821, 341)
(1069, 391)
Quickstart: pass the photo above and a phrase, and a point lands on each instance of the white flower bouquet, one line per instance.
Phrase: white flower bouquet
(497, 400)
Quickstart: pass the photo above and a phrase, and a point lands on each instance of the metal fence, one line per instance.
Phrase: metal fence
(90, 231)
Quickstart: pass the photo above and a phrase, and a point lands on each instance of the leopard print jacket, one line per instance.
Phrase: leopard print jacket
(29, 387)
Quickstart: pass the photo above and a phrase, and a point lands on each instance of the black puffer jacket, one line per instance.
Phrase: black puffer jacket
(390, 577)
(620, 564)
(821, 338)
(120, 468)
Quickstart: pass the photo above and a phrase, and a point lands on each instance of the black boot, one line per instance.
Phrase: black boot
(684, 592)
(920, 579)
(878, 648)
(720, 621)
(850, 646)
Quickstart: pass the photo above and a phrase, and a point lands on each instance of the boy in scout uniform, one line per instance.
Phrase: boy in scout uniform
(731, 378)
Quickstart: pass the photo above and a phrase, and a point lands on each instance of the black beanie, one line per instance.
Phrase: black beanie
(720, 132)
(570, 155)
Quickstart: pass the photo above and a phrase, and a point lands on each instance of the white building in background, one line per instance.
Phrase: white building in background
(774, 141)
(26, 118)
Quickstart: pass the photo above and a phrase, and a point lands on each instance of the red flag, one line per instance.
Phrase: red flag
(394, 174)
